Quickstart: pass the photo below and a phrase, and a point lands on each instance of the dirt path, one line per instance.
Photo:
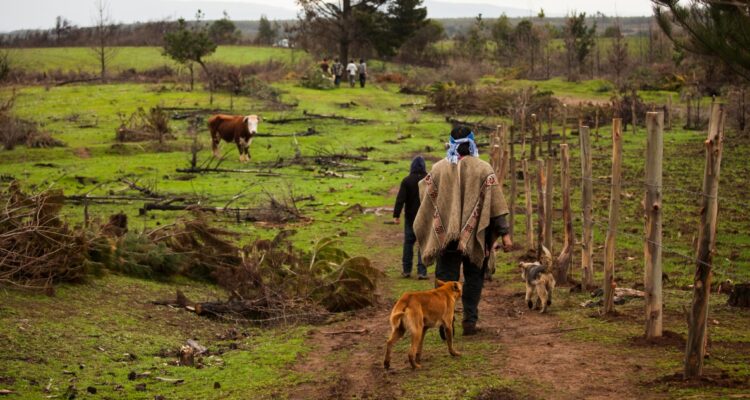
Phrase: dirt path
(530, 348)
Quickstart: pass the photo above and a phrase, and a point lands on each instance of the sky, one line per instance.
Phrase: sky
(40, 14)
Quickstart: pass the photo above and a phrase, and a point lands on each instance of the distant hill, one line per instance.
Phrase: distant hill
(447, 9)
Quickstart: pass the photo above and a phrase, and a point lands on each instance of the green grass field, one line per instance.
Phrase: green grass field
(82, 59)
(65, 340)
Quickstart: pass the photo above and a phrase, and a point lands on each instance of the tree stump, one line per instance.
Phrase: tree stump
(740, 296)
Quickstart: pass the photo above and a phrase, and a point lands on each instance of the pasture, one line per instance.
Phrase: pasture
(106, 334)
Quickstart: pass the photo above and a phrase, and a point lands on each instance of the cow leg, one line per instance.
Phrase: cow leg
(215, 143)
(241, 149)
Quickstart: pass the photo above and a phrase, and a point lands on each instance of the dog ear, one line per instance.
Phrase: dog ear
(439, 282)
(456, 287)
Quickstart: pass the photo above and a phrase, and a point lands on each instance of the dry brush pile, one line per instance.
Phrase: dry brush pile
(266, 280)
(16, 131)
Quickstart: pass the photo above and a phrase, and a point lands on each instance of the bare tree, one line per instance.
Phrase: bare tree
(103, 32)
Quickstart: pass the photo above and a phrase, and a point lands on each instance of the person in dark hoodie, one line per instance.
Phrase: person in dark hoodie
(408, 199)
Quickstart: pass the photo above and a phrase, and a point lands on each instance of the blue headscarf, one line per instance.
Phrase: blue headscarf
(453, 147)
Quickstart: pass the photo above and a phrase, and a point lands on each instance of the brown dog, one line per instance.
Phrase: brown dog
(418, 311)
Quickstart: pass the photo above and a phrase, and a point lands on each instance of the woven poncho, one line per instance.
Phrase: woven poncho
(457, 202)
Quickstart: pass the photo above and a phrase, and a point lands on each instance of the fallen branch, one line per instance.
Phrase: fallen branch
(310, 116)
(148, 192)
(344, 332)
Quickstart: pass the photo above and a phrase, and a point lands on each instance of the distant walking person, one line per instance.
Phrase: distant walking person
(408, 196)
(338, 72)
(351, 69)
(362, 72)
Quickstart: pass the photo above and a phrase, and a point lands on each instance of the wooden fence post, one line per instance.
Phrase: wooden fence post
(633, 114)
(513, 177)
(564, 260)
(548, 204)
(697, 326)
(652, 207)
(549, 131)
(513, 194)
(614, 215)
(523, 133)
(502, 140)
(527, 190)
(532, 157)
(564, 122)
(587, 196)
(541, 182)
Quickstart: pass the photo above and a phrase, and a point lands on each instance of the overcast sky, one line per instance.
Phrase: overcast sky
(35, 14)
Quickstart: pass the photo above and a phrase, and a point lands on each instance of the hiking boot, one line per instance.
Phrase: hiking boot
(422, 277)
(405, 275)
(470, 328)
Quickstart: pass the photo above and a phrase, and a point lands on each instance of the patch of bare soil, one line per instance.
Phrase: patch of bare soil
(501, 394)
(347, 358)
(708, 380)
(668, 339)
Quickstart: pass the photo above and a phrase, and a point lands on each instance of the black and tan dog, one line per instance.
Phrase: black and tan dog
(418, 311)
(539, 280)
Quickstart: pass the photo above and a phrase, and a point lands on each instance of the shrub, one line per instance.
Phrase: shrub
(314, 78)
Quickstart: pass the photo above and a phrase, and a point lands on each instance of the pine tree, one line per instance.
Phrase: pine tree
(718, 29)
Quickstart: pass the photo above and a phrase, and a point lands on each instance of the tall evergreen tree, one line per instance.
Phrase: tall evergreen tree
(718, 29)
(266, 32)
(579, 40)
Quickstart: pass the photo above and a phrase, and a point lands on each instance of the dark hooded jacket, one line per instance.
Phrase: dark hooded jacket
(408, 193)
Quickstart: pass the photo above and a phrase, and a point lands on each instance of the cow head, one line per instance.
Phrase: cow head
(252, 123)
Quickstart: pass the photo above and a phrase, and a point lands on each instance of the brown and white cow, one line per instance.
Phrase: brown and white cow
(233, 128)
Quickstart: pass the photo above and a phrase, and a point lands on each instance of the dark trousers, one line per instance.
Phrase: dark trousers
(362, 80)
(337, 80)
(409, 240)
(449, 269)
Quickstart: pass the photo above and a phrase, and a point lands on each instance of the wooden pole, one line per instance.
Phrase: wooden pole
(652, 207)
(523, 133)
(697, 326)
(587, 196)
(527, 190)
(541, 183)
(564, 260)
(564, 122)
(513, 194)
(532, 157)
(548, 204)
(614, 215)
(549, 132)
(633, 114)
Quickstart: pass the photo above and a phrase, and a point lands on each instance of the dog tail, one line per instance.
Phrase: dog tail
(397, 318)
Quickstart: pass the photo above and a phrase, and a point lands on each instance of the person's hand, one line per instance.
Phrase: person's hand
(507, 244)
(396, 221)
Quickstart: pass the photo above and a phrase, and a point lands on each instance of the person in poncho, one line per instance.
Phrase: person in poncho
(462, 214)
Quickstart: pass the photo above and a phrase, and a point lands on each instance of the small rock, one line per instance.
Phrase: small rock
(217, 385)
(141, 387)
(91, 389)
(132, 375)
